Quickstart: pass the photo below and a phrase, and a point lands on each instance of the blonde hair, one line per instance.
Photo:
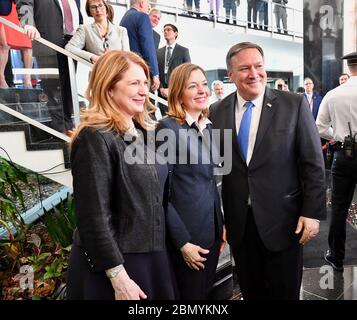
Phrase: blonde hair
(102, 111)
(177, 85)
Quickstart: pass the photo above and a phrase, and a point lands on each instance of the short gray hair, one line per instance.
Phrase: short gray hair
(153, 10)
(238, 48)
(132, 2)
(216, 82)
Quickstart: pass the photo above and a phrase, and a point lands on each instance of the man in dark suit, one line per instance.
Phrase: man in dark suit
(169, 57)
(138, 25)
(314, 101)
(155, 17)
(55, 21)
(313, 98)
(275, 191)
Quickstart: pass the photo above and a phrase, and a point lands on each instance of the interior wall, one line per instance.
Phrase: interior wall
(350, 29)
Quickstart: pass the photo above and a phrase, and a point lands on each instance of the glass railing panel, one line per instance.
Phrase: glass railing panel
(29, 102)
(82, 78)
(296, 22)
(43, 102)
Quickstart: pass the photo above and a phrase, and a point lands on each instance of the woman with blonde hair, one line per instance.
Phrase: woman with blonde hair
(194, 217)
(92, 40)
(119, 244)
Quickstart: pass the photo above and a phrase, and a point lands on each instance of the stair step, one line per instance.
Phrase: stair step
(37, 140)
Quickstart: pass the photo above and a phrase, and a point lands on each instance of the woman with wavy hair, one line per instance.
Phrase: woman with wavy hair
(194, 217)
(119, 244)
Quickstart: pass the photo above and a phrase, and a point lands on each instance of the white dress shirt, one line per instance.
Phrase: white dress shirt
(337, 108)
(201, 124)
(256, 112)
(309, 97)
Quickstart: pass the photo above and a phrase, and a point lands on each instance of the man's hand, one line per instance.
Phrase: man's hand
(155, 83)
(223, 240)
(310, 227)
(192, 257)
(32, 32)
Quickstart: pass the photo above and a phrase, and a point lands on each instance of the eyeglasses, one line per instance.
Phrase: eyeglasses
(100, 6)
(168, 29)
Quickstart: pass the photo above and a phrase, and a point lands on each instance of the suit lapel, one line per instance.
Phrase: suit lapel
(268, 111)
(230, 118)
(161, 56)
(95, 29)
(58, 5)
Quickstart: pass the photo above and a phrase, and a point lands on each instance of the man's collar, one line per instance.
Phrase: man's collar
(171, 45)
(257, 101)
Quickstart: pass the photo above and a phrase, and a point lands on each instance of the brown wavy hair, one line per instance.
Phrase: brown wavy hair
(102, 111)
(178, 83)
(108, 8)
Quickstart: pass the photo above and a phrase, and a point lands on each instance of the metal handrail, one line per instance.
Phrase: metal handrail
(46, 43)
(34, 123)
(75, 106)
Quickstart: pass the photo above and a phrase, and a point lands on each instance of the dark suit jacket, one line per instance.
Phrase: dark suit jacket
(5, 7)
(193, 211)
(141, 37)
(316, 106)
(46, 16)
(156, 39)
(179, 56)
(285, 178)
